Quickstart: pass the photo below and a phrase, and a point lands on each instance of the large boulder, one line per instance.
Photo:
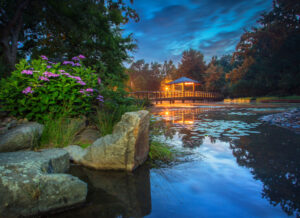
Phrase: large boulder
(125, 149)
(24, 136)
(33, 182)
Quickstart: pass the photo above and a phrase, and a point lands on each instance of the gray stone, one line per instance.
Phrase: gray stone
(125, 149)
(32, 182)
(22, 137)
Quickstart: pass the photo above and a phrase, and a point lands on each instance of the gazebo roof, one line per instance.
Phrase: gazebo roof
(183, 80)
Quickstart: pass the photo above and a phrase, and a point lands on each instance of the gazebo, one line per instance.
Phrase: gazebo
(183, 81)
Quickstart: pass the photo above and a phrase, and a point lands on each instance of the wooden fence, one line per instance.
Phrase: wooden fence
(176, 95)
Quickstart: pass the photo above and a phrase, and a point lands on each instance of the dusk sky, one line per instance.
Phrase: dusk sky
(214, 27)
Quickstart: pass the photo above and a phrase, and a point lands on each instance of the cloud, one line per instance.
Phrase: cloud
(167, 28)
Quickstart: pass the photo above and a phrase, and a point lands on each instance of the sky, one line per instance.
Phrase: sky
(214, 27)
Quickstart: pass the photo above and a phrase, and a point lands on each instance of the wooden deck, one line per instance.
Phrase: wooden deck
(159, 96)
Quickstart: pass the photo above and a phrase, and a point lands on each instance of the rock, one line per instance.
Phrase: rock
(32, 182)
(12, 124)
(78, 123)
(22, 137)
(286, 119)
(87, 136)
(125, 149)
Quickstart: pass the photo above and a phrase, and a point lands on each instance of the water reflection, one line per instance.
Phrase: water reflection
(113, 193)
(273, 158)
(270, 153)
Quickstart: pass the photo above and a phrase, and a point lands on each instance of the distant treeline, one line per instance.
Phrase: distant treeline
(266, 60)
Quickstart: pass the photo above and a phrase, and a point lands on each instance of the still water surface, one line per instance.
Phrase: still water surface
(237, 167)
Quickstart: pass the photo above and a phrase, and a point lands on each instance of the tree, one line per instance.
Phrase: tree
(192, 65)
(268, 56)
(169, 71)
(144, 76)
(67, 28)
(214, 77)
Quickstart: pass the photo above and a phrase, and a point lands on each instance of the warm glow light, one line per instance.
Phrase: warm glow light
(167, 112)
(189, 83)
(167, 88)
(184, 122)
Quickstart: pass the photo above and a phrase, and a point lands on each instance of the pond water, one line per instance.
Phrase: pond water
(237, 166)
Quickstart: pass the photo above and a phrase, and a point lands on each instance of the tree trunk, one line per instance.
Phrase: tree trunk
(10, 34)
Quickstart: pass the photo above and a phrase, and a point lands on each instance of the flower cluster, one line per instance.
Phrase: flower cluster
(44, 57)
(43, 78)
(100, 98)
(27, 72)
(49, 74)
(81, 83)
(27, 90)
(86, 91)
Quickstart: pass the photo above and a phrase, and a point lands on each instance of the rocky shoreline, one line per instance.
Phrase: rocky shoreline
(35, 182)
(289, 119)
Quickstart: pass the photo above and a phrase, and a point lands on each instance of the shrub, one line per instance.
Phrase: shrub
(40, 89)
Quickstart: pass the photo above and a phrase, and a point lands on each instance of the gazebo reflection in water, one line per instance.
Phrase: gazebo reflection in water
(186, 116)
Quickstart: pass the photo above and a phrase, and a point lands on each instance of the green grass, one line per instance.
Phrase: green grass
(106, 120)
(161, 152)
(260, 99)
(59, 132)
(293, 97)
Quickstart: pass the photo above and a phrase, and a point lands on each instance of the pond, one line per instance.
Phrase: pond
(236, 166)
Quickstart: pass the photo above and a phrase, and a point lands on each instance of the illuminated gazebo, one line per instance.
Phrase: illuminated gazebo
(183, 81)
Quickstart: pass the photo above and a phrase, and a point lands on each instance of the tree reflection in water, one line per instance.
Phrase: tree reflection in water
(272, 155)
(273, 158)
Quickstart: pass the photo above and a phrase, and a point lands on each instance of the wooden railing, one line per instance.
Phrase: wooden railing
(176, 95)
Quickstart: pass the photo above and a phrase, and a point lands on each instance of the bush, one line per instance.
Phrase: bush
(40, 89)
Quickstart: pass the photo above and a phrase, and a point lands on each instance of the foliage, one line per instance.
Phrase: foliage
(144, 76)
(214, 77)
(192, 65)
(40, 89)
(161, 152)
(106, 119)
(268, 56)
(59, 132)
(51, 28)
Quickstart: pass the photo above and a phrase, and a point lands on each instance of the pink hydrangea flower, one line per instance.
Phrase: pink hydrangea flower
(49, 74)
(43, 78)
(89, 90)
(27, 72)
(100, 98)
(27, 90)
(81, 56)
(81, 83)
(77, 64)
(75, 59)
(44, 57)
(61, 71)
(82, 91)
(68, 62)
(99, 80)
(49, 66)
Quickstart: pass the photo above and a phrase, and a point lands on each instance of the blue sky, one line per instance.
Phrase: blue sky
(168, 27)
